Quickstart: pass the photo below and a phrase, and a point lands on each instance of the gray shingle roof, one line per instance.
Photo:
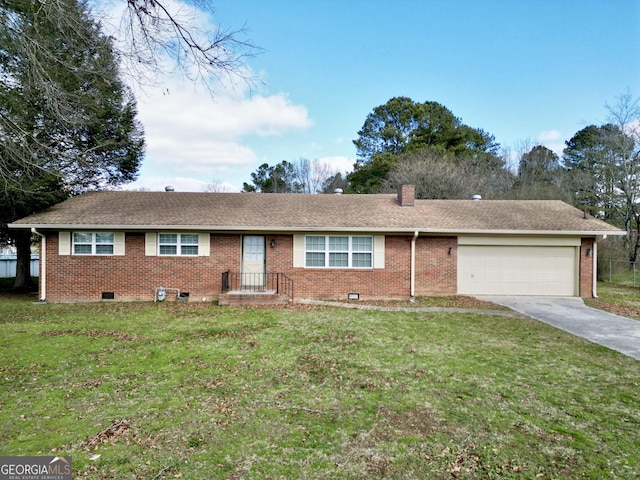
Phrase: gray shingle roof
(295, 212)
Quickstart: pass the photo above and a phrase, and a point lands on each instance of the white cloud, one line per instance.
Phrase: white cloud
(188, 132)
(550, 136)
(553, 140)
(200, 133)
(338, 164)
(226, 116)
(633, 128)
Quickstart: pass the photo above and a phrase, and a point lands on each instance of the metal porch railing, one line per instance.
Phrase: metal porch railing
(278, 283)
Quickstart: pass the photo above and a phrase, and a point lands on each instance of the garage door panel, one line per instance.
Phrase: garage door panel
(516, 270)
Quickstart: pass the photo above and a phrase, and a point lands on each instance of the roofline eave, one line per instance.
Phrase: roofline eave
(566, 233)
(288, 229)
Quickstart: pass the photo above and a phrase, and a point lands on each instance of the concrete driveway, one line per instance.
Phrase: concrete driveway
(572, 315)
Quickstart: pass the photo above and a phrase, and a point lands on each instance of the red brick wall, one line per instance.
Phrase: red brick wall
(436, 269)
(136, 276)
(586, 268)
(337, 283)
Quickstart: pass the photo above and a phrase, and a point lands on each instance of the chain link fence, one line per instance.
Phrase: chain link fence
(619, 271)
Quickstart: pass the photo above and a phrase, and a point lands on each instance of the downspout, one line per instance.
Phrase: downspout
(413, 264)
(594, 267)
(43, 264)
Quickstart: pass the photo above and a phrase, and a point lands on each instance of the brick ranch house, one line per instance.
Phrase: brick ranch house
(128, 246)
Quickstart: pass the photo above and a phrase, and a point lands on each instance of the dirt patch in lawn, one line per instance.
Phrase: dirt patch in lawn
(111, 434)
(416, 422)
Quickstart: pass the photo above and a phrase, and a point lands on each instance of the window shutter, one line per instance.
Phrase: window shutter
(298, 251)
(378, 251)
(118, 243)
(64, 243)
(150, 249)
(204, 244)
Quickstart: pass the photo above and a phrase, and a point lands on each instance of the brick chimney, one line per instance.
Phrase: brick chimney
(406, 195)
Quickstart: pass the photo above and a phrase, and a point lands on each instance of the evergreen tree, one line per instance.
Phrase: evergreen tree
(280, 178)
(402, 127)
(596, 159)
(67, 122)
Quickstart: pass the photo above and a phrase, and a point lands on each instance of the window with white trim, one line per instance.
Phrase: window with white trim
(185, 244)
(338, 251)
(93, 243)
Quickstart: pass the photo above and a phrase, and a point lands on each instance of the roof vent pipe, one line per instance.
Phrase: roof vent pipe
(337, 191)
(476, 197)
(169, 188)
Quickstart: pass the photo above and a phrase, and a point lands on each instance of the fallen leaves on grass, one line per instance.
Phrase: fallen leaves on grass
(110, 434)
(87, 384)
(454, 301)
(469, 459)
(625, 311)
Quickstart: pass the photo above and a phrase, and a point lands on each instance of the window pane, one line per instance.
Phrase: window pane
(314, 259)
(168, 250)
(253, 248)
(170, 238)
(362, 260)
(104, 237)
(189, 250)
(339, 244)
(189, 239)
(82, 237)
(104, 249)
(315, 243)
(362, 244)
(82, 249)
(338, 259)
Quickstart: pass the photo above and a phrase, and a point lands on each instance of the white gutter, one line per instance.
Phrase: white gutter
(413, 264)
(43, 264)
(343, 228)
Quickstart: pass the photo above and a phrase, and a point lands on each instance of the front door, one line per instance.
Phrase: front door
(253, 261)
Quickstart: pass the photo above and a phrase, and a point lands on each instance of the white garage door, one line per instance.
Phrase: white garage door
(516, 270)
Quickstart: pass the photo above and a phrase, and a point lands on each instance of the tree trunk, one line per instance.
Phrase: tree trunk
(23, 281)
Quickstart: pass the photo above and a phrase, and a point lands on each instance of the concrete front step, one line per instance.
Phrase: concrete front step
(252, 298)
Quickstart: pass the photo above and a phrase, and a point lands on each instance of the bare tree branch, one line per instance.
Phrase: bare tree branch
(164, 36)
(215, 187)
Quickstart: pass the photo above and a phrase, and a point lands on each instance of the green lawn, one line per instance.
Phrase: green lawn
(150, 391)
(621, 299)
(619, 272)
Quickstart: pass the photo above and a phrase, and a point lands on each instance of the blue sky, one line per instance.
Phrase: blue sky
(528, 72)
